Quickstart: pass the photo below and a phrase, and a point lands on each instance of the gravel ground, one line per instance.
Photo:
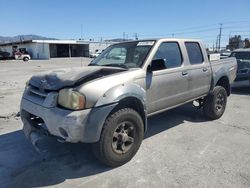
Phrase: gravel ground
(180, 149)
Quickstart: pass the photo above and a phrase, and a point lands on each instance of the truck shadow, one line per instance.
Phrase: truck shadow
(169, 119)
(242, 90)
(22, 166)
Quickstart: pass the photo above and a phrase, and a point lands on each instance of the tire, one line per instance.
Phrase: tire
(215, 103)
(25, 59)
(120, 139)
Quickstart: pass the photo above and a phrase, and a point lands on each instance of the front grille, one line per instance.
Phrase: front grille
(243, 71)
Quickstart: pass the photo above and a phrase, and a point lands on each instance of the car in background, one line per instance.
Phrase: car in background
(225, 54)
(22, 54)
(243, 63)
(95, 54)
(4, 55)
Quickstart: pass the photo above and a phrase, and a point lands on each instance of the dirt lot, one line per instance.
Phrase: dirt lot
(180, 149)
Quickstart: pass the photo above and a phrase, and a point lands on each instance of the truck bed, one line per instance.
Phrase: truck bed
(224, 67)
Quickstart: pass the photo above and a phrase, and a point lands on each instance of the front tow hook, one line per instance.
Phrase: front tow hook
(34, 138)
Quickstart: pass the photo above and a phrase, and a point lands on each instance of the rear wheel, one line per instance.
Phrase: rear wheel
(215, 103)
(25, 59)
(120, 139)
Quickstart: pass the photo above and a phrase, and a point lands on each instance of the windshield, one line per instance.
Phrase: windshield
(241, 55)
(126, 55)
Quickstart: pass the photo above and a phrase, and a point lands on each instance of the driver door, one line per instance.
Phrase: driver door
(167, 87)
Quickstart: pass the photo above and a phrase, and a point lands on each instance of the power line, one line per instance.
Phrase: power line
(203, 26)
(178, 31)
(181, 33)
(237, 27)
(242, 31)
(243, 21)
(191, 30)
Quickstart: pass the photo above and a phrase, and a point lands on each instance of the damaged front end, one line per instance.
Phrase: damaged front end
(42, 115)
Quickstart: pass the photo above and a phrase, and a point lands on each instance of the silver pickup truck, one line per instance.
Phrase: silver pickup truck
(107, 103)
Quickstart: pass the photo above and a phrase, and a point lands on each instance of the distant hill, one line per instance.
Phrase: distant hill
(118, 40)
(19, 38)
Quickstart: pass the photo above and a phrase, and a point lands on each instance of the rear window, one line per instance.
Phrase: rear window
(194, 53)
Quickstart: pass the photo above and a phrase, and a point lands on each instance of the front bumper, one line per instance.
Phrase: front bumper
(243, 74)
(65, 124)
(69, 126)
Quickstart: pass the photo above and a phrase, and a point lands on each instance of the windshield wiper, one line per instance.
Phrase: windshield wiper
(116, 65)
(93, 64)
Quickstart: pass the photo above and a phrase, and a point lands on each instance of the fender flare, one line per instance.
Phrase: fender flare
(106, 103)
(120, 92)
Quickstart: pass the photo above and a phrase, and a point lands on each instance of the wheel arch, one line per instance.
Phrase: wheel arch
(135, 104)
(126, 96)
(224, 82)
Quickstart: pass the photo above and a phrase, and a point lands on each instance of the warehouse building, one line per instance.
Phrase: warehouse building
(46, 49)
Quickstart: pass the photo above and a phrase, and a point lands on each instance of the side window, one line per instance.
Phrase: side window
(170, 52)
(194, 53)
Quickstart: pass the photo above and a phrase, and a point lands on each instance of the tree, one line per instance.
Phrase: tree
(247, 43)
(235, 42)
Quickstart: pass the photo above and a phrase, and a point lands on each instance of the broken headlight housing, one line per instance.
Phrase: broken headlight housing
(70, 99)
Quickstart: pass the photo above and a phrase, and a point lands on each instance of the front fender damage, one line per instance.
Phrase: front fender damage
(123, 91)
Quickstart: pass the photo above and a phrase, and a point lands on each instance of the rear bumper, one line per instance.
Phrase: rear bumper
(69, 126)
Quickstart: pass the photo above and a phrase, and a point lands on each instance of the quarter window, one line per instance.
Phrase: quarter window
(194, 53)
(170, 52)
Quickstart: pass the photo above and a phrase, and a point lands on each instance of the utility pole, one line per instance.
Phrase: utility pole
(220, 36)
(172, 35)
(81, 31)
(123, 36)
(216, 44)
(136, 36)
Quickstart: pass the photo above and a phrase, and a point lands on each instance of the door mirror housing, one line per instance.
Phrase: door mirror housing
(157, 64)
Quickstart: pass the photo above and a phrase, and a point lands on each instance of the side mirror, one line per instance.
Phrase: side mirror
(157, 64)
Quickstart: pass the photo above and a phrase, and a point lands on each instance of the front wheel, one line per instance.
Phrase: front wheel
(215, 103)
(120, 139)
(25, 59)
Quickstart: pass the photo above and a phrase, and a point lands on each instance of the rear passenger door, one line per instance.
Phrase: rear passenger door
(168, 86)
(199, 71)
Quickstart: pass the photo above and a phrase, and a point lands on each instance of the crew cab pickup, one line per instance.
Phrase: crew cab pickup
(107, 103)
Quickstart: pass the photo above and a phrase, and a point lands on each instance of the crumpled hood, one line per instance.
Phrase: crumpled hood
(57, 79)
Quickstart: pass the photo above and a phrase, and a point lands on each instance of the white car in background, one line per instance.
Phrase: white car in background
(24, 57)
(94, 55)
(22, 54)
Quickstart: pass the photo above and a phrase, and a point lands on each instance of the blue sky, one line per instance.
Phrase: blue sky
(110, 18)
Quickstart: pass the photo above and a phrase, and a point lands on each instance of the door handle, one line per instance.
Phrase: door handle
(184, 73)
(204, 69)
